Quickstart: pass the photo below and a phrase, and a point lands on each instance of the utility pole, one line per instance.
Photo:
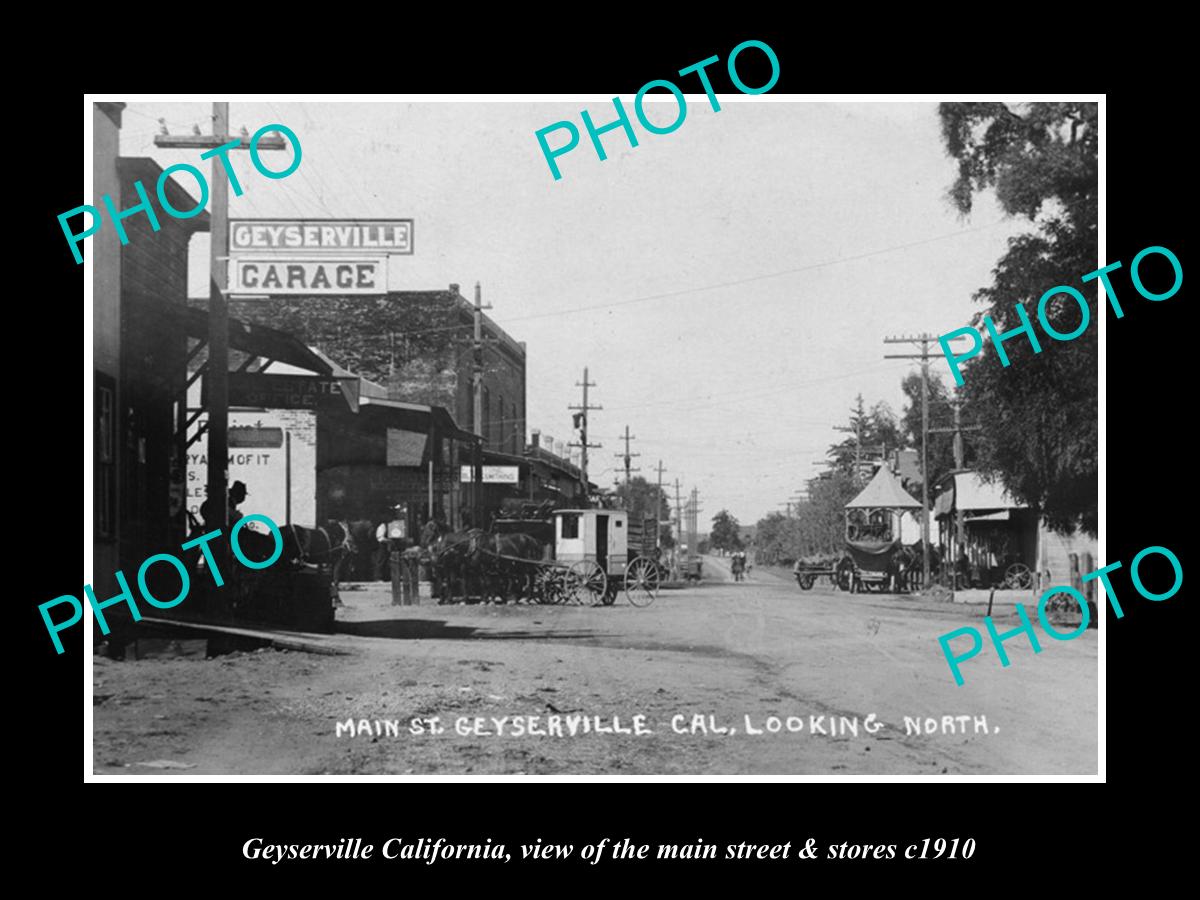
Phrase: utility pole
(477, 411)
(658, 499)
(958, 428)
(956, 403)
(627, 455)
(923, 341)
(678, 515)
(693, 521)
(581, 422)
(217, 372)
(859, 413)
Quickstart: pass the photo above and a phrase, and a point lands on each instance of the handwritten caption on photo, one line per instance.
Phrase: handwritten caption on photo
(696, 725)
(126, 595)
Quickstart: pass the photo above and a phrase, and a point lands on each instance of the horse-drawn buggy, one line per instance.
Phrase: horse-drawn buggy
(874, 557)
(549, 556)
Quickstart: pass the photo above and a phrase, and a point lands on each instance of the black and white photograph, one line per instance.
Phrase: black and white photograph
(704, 431)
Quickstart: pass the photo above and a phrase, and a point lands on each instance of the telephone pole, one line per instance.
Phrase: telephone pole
(627, 455)
(477, 411)
(923, 341)
(957, 429)
(693, 514)
(678, 515)
(857, 429)
(581, 422)
(216, 375)
(658, 499)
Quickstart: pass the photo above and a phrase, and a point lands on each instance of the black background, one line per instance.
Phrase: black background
(129, 832)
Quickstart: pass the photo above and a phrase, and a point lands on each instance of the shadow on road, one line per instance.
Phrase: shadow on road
(425, 629)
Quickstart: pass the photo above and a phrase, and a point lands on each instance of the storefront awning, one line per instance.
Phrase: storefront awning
(258, 340)
(967, 492)
(415, 417)
(1001, 516)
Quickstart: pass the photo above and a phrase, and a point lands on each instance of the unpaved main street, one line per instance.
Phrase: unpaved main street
(719, 655)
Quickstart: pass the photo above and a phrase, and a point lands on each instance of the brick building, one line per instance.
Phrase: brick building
(407, 441)
(416, 344)
(139, 358)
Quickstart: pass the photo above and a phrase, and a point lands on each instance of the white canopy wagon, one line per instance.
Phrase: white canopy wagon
(592, 550)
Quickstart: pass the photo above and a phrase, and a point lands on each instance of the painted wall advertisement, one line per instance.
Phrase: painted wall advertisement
(259, 450)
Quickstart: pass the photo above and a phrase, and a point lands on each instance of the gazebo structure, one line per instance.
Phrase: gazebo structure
(873, 533)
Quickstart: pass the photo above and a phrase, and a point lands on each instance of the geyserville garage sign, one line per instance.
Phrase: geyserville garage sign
(294, 275)
(320, 237)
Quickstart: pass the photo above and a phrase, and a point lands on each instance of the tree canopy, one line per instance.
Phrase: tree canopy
(1039, 414)
(869, 434)
(725, 534)
(638, 497)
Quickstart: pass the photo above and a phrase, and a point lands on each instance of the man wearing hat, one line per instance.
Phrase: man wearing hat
(237, 494)
(391, 535)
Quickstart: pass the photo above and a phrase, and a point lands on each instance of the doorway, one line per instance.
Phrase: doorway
(602, 541)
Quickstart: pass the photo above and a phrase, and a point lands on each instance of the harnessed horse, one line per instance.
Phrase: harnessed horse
(326, 545)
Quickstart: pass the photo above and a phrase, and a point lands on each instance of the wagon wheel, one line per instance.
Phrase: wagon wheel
(641, 582)
(806, 582)
(586, 581)
(548, 585)
(843, 575)
(1018, 575)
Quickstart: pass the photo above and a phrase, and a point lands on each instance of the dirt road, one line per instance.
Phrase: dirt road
(835, 674)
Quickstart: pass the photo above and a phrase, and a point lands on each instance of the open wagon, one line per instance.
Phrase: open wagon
(809, 569)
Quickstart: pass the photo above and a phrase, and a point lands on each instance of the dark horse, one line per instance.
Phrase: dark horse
(449, 558)
(909, 564)
(498, 560)
(484, 560)
(326, 546)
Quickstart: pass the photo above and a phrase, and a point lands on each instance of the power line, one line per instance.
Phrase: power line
(711, 399)
(753, 278)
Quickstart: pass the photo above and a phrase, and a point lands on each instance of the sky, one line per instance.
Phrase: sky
(729, 285)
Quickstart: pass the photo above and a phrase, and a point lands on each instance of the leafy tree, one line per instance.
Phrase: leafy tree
(638, 497)
(816, 529)
(941, 415)
(724, 534)
(869, 434)
(1039, 414)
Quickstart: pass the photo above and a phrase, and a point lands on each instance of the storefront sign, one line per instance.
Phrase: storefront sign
(282, 391)
(321, 235)
(493, 475)
(308, 276)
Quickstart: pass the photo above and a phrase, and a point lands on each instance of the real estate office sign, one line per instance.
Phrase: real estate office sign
(314, 256)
